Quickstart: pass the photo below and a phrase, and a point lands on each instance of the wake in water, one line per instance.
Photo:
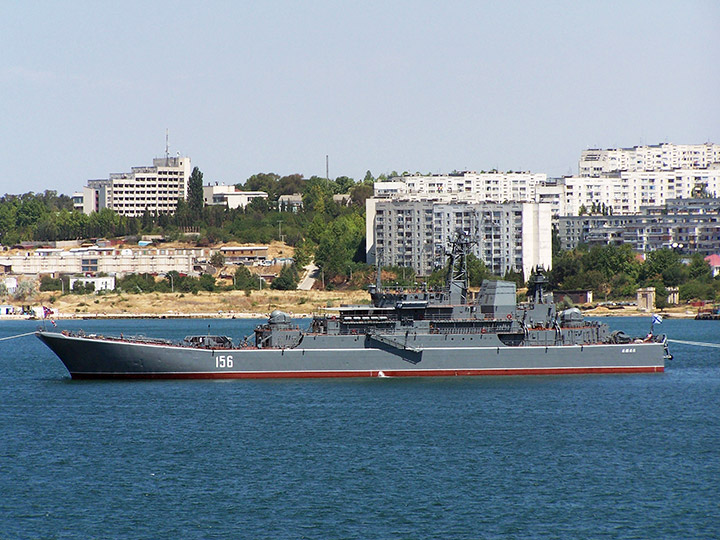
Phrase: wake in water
(696, 343)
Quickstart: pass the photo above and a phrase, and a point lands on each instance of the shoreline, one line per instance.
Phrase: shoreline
(64, 316)
(246, 305)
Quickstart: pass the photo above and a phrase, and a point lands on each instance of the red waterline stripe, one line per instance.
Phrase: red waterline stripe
(374, 373)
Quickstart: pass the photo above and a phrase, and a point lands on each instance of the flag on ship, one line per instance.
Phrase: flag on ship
(46, 312)
(656, 319)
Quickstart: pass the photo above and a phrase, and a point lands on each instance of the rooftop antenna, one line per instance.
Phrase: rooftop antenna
(167, 146)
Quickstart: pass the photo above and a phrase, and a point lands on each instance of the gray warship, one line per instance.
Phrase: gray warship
(428, 332)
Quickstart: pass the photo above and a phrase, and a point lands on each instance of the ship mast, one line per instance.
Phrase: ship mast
(458, 280)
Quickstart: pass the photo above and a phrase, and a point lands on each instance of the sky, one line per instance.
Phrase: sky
(90, 88)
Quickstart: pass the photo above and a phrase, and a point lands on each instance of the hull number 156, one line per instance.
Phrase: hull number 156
(224, 361)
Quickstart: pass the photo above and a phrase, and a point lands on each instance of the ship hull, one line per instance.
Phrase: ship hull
(347, 356)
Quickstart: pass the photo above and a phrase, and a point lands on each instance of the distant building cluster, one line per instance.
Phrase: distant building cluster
(651, 197)
(623, 180)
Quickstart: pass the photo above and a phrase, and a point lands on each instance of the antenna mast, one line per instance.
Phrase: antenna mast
(458, 276)
(167, 147)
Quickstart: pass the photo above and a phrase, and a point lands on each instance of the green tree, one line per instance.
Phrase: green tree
(622, 286)
(318, 195)
(556, 242)
(659, 262)
(207, 283)
(565, 265)
(287, 280)
(25, 290)
(48, 283)
(341, 243)
(288, 185)
(83, 288)
(31, 210)
(183, 214)
(515, 276)
(343, 184)
(611, 260)
(195, 193)
(303, 254)
(137, 283)
(699, 268)
(245, 280)
(696, 290)
(359, 193)
(267, 182)
(217, 259)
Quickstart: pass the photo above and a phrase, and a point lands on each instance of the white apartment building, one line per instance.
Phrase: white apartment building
(660, 157)
(627, 191)
(229, 196)
(414, 231)
(474, 187)
(626, 179)
(105, 283)
(154, 189)
(490, 186)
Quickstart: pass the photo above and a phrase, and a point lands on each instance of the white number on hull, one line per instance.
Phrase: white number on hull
(223, 361)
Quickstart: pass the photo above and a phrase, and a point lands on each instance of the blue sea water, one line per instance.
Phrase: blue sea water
(589, 456)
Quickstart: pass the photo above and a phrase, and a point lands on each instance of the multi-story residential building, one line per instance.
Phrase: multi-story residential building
(626, 192)
(689, 225)
(484, 186)
(414, 231)
(230, 196)
(154, 189)
(77, 199)
(661, 157)
(575, 230)
(626, 179)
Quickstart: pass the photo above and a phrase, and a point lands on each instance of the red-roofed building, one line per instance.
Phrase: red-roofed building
(714, 262)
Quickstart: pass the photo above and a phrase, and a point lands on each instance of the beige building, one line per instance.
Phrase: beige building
(244, 254)
(110, 260)
(646, 299)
